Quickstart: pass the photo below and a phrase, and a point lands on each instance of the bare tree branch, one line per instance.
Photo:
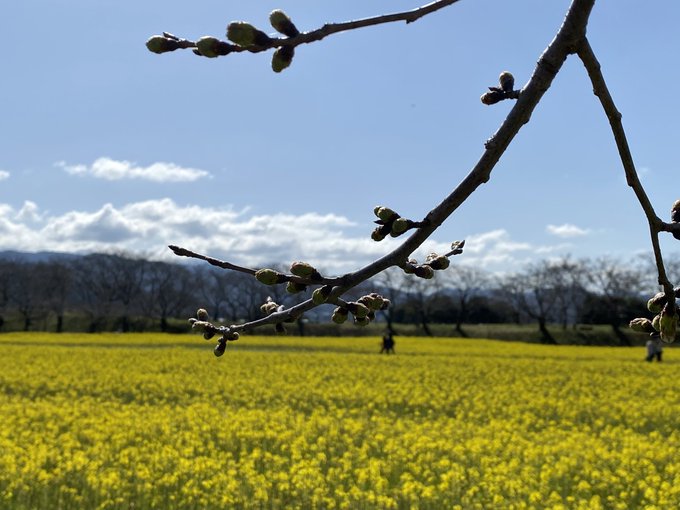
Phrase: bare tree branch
(567, 40)
(600, 89)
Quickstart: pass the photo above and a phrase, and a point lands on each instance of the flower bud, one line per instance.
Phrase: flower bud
(358, 309)
(282, 23)
(201, 325)
(424, 272)
(282, 58)
(220, 347)
(245, 34)
(385, 304)
(295, 287)
(675, 212)
(269, 307)
(668, 324)
(202, 314)
(339, 315)
(208, 334)
(230, 336)
(641, 325)
(159, 44)
(656, 304)
(439, 262)
(207, 46)
(399, 226)
(380, 233)
(320, 295)
(270, 277)
(492, 97)
(656, 322)
(386, 214)
(304, 270)
(361, 321)
(507, 81)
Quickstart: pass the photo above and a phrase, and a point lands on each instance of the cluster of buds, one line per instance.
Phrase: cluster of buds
(201, 323)
(363, 309)
(506, 82)
(675, 216)
(390, 223)
(665, 322)
(433, 262)
(302, 270)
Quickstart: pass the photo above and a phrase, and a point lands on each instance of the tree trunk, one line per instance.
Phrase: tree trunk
(546, 337)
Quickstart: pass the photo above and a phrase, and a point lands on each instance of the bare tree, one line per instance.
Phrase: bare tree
(570, 39)
(532, 293)
(466, 283)
(167, 291)
(620, 287)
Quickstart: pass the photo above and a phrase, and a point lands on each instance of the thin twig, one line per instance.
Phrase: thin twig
(332, 28)
(600, 89)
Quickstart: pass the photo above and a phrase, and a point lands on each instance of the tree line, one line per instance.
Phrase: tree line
(122, 292)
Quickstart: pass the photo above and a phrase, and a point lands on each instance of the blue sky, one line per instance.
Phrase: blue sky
(104, 145)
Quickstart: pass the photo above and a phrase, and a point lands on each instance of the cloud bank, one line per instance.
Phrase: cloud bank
(113, 170)
(4, 175)
(331, 242)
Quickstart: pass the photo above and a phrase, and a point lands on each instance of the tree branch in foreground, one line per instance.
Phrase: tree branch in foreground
(668, 311)
(567, 40)
(246, 37)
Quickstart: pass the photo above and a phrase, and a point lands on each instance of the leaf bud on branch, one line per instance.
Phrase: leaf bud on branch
(282, 23)
(270, 277)
(212, 47)
(246, 35)
(641, 325)
(504, 91)
(675, 216)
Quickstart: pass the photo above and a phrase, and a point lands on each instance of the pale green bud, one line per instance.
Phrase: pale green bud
(320, 295)
(282, 23)
(656, 304)
(492, 97)
(220, 347)
(282, 58)
(358, 309)
(361, 321)
(304, 270)
(339, 315)
(656, 322)
(439, 262)
(668, 324)
(386, 214)
(269, 277)
(295, 287)
(506, 81)
(207, 46)
(641, 325)
(244, 34)
(160, 44)
(231, 336)
(399, 226)
(202, 314)
(208, 334)
(424, 272)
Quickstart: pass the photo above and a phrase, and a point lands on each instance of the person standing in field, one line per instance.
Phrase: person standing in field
(654, 350)
(388, 343)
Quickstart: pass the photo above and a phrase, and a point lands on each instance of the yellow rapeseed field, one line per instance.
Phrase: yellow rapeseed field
(154, 421)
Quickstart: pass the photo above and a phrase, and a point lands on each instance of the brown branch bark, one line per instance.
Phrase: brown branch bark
(600, 89)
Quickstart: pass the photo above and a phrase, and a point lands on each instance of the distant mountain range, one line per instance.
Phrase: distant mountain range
(39, 256)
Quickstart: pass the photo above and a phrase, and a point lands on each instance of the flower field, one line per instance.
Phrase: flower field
(156, 421)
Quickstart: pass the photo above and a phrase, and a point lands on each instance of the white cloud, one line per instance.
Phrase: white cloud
(567, 230)
(4, 175)
(331, 242)
(113, 170)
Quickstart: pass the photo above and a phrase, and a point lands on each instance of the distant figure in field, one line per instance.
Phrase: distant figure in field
(387, 343)
(654, 350)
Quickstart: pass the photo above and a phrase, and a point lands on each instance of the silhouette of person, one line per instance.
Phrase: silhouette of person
(388, 343)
